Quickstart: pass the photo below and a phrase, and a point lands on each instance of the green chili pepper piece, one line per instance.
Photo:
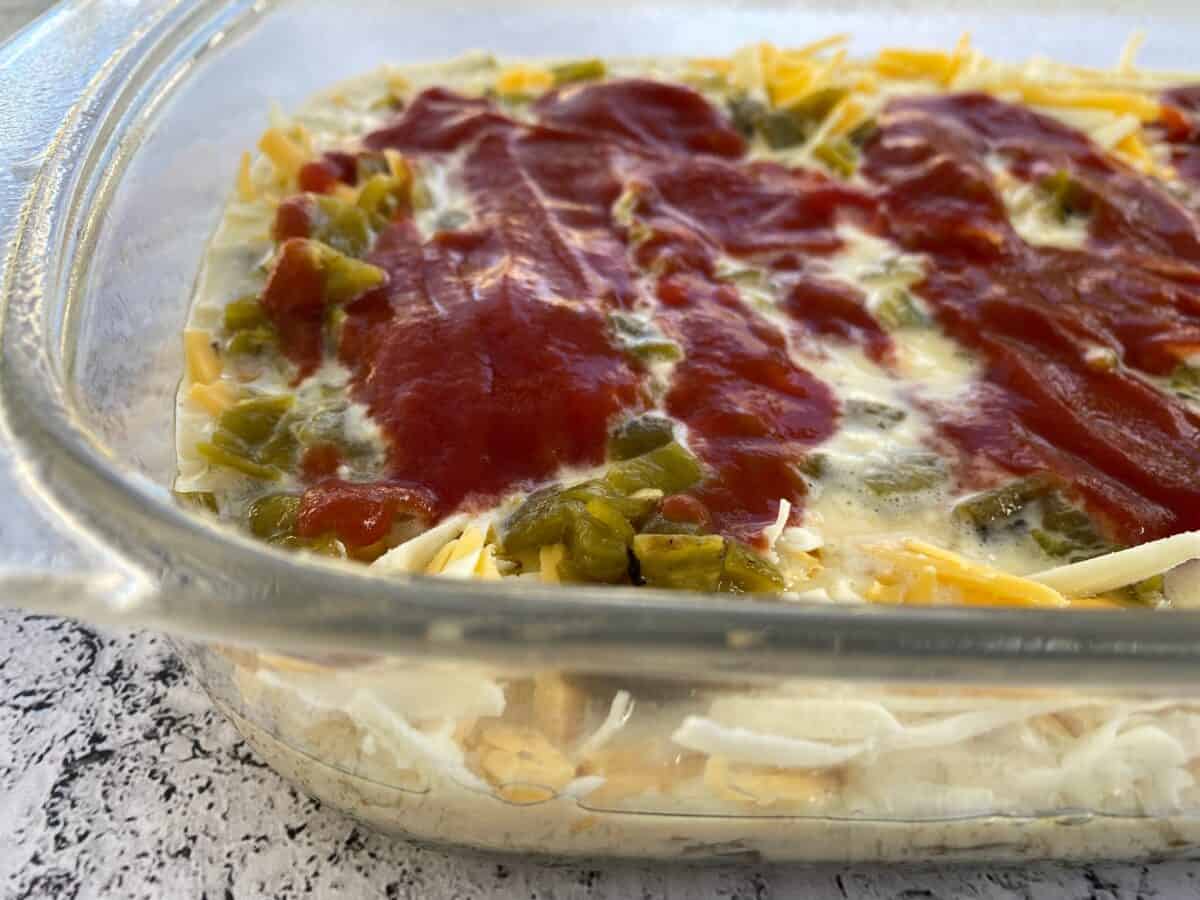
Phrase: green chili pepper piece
(897, 309)
(346, 227)
(346, 278)
(252, 342)
(384, 196)
(660, 524)
(746, 114)
(1185, 381)
(670, 468)
(906, 475)
(1068, 532)
(683, 562)
(273, 516)
(862, 133)
(579, 70)
(1001, 503)
(838, 155)
(873, 413)
(243, 314)
(255, 419)
(368, 165)
(598, 544)
(814, 466)
(643, 339)
(781, 129)
(817, 105)
(745, 572)
(543, 519)
(1068, 197)
(220, 456)
(639, 435)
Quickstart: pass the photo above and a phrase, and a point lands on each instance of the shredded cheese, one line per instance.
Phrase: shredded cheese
(767, 787)
(1118, 102)
(522, 765)
(516, 81)
(246, 190)
(286, 154)
(203, 364)
(1124, 567)
(935, 65)
(213, 398)
(919, 573)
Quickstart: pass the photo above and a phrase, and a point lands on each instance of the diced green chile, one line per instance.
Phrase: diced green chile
(639, 435)
(905, 475)
(873, 413)
(1068, 197)
(253, 341)
(817, 105)
(347, 278)
(1185, 381)
(578, 70)
(643, 340)
(862, 133)
(898, 309)
(547, 515)
(782, 129)
(243, 314)
(704, 563)
(273, 516)
(746, 113)
(745, 572)
(838, 155)
(383, 196)
(597, 544)
(670, 468)
(254, 420)
(814, 466)
(1001, 503)
(251, 437)
(682, 562)
(660, 524)
(343, 226)
(367, 165)
(1147, 592)
(229, 459)
(1068, 532)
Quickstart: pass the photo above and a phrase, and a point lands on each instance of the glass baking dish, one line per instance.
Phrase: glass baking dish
(517, 717)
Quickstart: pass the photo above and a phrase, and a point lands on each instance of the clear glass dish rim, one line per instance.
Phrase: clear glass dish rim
(50, 220)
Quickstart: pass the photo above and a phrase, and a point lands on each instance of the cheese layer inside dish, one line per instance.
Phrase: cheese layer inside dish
(903, 330)
(916, 329)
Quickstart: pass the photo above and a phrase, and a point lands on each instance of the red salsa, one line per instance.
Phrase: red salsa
(490, 362)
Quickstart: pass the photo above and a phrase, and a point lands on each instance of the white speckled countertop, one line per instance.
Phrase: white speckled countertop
(118, 779)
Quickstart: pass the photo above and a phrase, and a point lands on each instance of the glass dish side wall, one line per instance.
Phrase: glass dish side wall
(607, 765)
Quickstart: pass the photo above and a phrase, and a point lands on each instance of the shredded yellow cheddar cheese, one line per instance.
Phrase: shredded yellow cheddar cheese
(516, 81)
(923, 574)
(203, 364)
(247, 192)
(286, 154)
(213, 398)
